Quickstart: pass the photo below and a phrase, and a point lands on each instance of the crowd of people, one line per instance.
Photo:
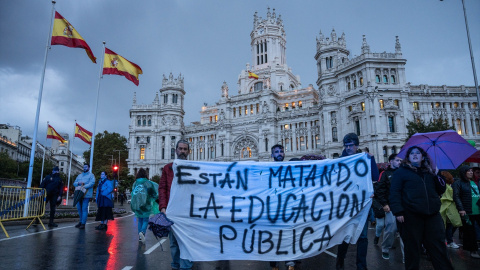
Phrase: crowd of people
(412, 202)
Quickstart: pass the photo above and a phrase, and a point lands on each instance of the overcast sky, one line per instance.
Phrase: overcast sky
(208, 42)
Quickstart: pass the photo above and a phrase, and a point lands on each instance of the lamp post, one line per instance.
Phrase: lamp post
(372, 95)
(471, 53)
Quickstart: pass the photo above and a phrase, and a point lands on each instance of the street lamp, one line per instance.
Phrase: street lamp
(372, 95)
(471, 53)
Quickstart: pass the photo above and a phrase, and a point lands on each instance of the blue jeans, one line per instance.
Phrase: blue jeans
(142, 225)
(177, 263)
(82, 207)
(362, 245)
(379, 227)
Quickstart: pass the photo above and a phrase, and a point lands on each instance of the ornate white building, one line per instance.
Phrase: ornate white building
(367, 94)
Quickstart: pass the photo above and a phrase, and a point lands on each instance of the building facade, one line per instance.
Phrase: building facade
(367, 94)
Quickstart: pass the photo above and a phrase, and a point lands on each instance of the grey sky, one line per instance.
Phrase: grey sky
(208, 42)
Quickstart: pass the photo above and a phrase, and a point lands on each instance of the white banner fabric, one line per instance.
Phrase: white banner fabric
(268, 211)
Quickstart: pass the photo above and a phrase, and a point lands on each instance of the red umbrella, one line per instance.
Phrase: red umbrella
(447, 149)
(474, 158)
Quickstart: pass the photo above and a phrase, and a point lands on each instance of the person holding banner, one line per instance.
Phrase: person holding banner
(351, 142)
(415, 201)
(278, 155)
(182, 149)
(87, 180)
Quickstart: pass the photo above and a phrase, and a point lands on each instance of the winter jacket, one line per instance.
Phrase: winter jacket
(88, 181)
(164, 186)
(382, 188)
(448, 210)
(416, 191)
(53, 184)
(105, 189)
(462, 195)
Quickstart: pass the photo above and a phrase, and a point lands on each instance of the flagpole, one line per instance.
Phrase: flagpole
(70, 166)
(37, 116)
(43, 159)
(96, 110)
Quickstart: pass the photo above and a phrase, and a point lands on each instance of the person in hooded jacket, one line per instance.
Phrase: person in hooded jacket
(466, 197)
(53, 184)
(144, 201)
(415, 201)
(104, 199)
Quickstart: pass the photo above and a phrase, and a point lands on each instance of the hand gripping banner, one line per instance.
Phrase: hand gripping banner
(268, 211)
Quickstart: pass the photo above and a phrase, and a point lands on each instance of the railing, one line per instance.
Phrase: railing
(21, 203)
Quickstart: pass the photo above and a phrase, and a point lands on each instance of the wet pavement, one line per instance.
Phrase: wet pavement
(119, 248)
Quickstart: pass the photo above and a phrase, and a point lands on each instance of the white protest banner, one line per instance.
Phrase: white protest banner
(268, 211)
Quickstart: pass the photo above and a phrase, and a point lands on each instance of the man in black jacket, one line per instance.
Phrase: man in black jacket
(53, 184)
(382, 193)
(351, 142)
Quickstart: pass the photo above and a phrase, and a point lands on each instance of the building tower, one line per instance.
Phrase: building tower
(171, 116)
(269, 61)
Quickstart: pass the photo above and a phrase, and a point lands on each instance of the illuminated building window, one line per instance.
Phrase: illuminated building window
(142, 153)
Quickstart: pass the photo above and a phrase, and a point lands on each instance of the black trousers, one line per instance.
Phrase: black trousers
(429, 231)
(52, 198)
(469, 233)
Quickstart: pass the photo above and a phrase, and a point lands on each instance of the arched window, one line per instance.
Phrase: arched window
(354, 83)
(392, 79)
(377, 78)
(139, 122)
(361, 81)
(334, 134)
(246, 153)
(165, 99)
(258, 86)
(349, 87)
(149, 122)
(385, 79)
(459, 126)
(144, 122)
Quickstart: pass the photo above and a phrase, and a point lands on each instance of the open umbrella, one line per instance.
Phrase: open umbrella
(78, 194)
(474, 158)
(446, 149)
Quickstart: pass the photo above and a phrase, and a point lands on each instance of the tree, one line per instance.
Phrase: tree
(105, 143)
(8, 166)
(420, 126)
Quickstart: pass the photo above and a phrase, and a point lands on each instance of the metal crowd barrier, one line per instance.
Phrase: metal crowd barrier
(21, 203)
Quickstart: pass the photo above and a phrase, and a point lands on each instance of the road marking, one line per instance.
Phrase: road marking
(330, 253)
(127, 267)
(66, 227)
(150, 250)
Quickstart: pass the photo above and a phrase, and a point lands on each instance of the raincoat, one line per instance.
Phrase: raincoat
(144, 198)
(448, 210)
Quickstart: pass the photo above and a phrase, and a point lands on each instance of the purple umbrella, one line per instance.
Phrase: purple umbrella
(446, 149)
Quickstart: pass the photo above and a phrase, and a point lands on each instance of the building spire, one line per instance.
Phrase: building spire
(134, 97)
(365, 46)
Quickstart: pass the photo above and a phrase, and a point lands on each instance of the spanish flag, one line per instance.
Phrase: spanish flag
(52, 134)
(83, 134)
(116, 64)
(252, 75)
(64, 34)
